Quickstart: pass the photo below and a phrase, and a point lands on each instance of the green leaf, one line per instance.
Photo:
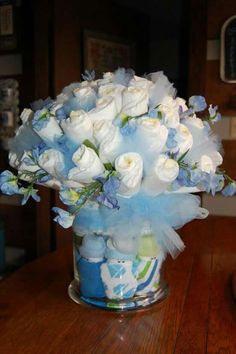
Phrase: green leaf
(124, 121)
(89, 144)
(182, 156)
(108, 166)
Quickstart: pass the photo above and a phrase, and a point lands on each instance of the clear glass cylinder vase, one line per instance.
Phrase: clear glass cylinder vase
(117, 281)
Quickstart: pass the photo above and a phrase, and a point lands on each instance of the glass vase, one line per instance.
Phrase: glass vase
(113, 280)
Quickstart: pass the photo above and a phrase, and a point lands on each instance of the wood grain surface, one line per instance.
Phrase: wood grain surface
(199, 316)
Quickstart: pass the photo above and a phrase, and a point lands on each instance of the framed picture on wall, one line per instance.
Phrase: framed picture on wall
(103, 52)
(228, 51)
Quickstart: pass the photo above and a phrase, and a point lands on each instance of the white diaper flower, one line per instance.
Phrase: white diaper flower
(103, 129)
(130, 170)
(88, 165)
(184, 139)
(135, 101)
(105, 109)
(110, 147)
(112, 90)
(165, 171)
(26, 115)
(153, 133)
(141, 82)
(78, 127)
(52, 161)
(170, 110)
(209, 163)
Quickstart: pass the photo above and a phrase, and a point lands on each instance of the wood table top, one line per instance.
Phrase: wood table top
(199, 315)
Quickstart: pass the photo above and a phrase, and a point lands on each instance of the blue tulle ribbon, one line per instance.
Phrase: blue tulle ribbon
(162, 215)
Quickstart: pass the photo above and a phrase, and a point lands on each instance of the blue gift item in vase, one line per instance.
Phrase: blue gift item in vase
(118, 274)
(148, 264)
(89, 264)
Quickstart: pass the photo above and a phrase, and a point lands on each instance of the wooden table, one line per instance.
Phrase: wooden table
(199, 316)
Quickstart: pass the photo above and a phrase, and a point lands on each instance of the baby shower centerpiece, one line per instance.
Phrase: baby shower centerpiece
(126, 155)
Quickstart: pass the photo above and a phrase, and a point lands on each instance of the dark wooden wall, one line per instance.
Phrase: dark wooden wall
(218, 91)
(206, 20)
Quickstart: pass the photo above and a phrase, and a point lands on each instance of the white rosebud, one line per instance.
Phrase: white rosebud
(51, 132)
(135, 101)
(165, 171)
(107, 79)
(152, 133)
(110, 147)
(85, 97)
(52, 161)
(182, 103)
(184, 139)
(170, 109)
(206, 164)
(88, 165)
(78, 127)
(130, 170)
(137, 81)
(114, 91)
(102, 129)
(209, 163)
(84, 91)
(21, 166)
(105, 109)
(26, 115)
(13, 159)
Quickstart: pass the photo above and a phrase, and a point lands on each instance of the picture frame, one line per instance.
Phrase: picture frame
(103, 52)
(228, 51)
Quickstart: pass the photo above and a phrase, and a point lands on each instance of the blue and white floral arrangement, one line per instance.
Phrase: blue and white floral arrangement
(125, 154)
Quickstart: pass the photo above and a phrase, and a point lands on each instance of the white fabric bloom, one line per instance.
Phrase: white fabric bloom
(110, 147)
(102, 129)
(153, 133)
(170, 109)
(88, 165)
(21, 166)
(84, 92)
(105, 109)
(52, 161)
(141, 82)
(209, 163)
(78, 127)
(184, 139)
(13, 159)
(135, 101)
(26, 115)
(113, 90)
(182, 103)
(165, 171)
(51, 132)
(130, 170)
(107, 79)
